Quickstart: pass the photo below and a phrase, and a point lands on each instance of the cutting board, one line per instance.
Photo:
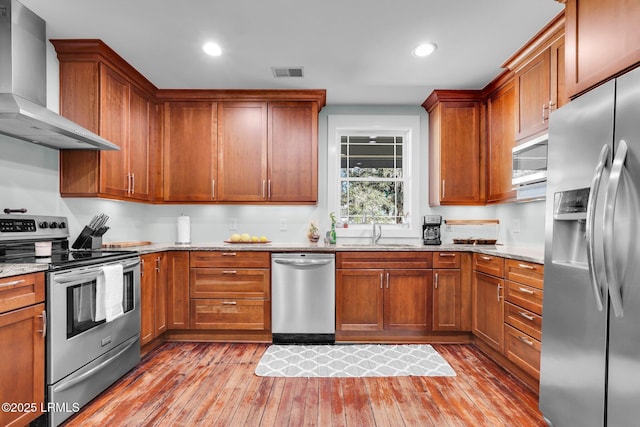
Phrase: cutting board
(124, 244)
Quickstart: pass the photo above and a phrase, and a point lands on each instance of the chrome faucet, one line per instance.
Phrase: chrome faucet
(375, 236)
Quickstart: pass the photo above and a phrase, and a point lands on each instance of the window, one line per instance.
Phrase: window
(371, 164)
(371, 179)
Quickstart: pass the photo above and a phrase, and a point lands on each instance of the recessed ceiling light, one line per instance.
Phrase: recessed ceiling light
(425, 49)
(212, 49)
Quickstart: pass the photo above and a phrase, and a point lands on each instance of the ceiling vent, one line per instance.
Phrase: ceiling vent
(288, 71)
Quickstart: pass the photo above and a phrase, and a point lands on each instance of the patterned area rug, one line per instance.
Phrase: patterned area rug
(370, 360)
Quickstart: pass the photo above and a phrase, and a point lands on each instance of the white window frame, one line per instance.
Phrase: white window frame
(407, 126)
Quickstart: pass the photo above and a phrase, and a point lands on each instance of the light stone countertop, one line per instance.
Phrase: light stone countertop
(513, 252)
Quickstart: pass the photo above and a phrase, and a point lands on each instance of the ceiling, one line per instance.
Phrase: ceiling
(358, 50)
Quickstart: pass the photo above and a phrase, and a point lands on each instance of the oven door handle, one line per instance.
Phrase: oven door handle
(93, 273)
(71, 382)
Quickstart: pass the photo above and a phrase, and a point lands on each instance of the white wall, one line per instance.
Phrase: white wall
(29, 179)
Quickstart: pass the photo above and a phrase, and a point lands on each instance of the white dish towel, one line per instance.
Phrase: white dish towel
(109, 293)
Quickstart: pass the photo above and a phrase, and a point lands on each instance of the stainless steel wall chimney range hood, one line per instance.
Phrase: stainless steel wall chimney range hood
(23, 86)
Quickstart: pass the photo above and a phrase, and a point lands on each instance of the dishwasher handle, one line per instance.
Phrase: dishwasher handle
(304, 262)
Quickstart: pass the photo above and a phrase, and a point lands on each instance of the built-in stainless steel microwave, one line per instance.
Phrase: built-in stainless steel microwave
(530, 162)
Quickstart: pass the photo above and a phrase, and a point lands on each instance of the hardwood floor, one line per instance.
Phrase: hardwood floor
(193, 384)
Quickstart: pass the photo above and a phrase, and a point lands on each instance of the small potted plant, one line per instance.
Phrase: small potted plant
(313, 233)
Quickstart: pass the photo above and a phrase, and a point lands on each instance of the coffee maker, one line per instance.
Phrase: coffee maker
(431, 230)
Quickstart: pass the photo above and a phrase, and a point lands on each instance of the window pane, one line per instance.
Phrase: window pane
(371, 157)
(384, 200)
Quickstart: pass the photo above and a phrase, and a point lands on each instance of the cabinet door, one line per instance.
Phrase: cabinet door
(22, 363)
(242, 151)
(138, 145)
(455, 174)
(447, 300)
(488, 314)
(533, 94)
(114, 116)
(177, 290)
(161, 294)
(147, 298)
(602, 40)
(293, 152)
(359, 295)
(190, 151)
(406, 300)
(501, 122)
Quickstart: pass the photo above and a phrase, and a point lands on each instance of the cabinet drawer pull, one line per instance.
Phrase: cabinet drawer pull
(436, 284)
(213, 189)
(229, 303)
(15, 282)
(387, 280)
(526, 291)
(486, 258)
(133, 183)
(229, 254)
(526, 316)
(229, 272)
(381, 280)
(447, 255)
(528, 267)
(443, 190)
(498, 291)
(526, 341)
(158, 264)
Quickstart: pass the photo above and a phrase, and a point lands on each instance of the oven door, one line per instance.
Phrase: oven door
(75, 338)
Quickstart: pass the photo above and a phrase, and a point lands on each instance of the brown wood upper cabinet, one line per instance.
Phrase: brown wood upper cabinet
(456, 156)
(190, 151)
(101, 92)
(501, 126)
(602, 41)
(539, 79)
(267, 152)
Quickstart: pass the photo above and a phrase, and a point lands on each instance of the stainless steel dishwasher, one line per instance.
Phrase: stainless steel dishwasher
(303, 297)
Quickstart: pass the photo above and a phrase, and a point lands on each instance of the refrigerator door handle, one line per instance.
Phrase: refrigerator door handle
(610, 200)
(591, 214)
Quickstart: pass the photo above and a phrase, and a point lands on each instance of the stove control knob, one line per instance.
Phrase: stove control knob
(62, 225)
(53, 225)
(44, 225)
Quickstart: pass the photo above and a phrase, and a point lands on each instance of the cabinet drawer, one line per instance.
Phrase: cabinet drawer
(375, 259)
(524, 296)
(522, 350)
(228, 283)
(528, 273)
(229, 258)
(489, 264)
(446, 260)
(229, 314)
(21, 291)
(524, 320)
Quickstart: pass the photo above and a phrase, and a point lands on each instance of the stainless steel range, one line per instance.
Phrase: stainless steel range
(86, 352)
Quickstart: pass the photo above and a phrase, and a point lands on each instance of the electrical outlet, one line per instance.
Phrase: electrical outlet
(515, 225)
(233, 224)
(283, 224)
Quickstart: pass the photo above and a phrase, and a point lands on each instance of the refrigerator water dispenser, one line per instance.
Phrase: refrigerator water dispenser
(570, 228)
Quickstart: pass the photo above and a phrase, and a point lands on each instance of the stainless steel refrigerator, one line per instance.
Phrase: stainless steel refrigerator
(590, 363)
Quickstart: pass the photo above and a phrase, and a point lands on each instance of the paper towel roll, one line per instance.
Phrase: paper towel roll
(184, 230)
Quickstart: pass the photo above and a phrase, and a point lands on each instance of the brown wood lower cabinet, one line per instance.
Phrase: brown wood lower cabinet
(451, 291)
(22, 334)
(153, 300)
(230, 290)
(177, 290)
(488, 310)
(383, 299)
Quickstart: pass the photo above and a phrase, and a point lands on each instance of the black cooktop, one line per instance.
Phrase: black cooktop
(23, 252)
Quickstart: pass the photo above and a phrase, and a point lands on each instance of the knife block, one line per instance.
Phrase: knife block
(87, 240)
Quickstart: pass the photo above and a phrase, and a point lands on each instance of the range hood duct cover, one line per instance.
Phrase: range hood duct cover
(23, 86)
